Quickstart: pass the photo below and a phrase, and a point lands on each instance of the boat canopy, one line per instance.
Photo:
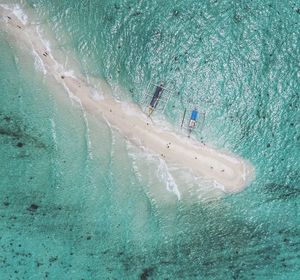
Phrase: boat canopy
(194, 115)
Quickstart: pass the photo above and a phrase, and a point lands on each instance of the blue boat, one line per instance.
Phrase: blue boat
(193, 120)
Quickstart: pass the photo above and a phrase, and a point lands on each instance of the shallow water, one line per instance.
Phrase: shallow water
(79, 202)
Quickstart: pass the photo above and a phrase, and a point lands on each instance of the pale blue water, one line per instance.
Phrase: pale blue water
(67, 215)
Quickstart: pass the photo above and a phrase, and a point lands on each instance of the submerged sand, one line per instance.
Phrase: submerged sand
(229, 171)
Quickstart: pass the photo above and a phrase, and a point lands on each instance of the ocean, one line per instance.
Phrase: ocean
(80, 202)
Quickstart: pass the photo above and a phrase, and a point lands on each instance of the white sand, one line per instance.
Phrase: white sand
(230, 171)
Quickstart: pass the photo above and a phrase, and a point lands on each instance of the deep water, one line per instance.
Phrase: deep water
(73, 205)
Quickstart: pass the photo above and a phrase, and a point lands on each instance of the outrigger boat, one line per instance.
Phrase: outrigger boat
(195, 115)
(155, 99)
(193, 120)
(159, 99)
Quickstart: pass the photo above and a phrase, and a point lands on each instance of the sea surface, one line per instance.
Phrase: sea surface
(79, 202)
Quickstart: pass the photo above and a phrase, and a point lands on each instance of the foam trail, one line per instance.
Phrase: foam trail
(57, 172)
(17, 11)
(218, 185)
(53, 132)
(69, 73)
(85, 119)
(87, 134)
(164, 173)
(133, 156)
(95, 95)
(38, 63)
(46, 43)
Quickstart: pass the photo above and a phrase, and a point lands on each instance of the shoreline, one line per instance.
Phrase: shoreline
(229, 171)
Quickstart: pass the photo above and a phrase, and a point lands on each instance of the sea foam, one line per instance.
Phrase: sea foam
(17, 11)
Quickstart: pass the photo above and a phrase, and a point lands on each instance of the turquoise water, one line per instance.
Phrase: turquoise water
(73, 203)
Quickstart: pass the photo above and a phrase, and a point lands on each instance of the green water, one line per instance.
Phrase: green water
(73, 202)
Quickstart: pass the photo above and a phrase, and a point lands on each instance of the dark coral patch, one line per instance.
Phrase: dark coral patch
(20, 144)
(53, 259)
(33, 207)
(147, 272)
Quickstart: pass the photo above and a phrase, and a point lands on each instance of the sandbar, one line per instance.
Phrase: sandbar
(228, 170)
